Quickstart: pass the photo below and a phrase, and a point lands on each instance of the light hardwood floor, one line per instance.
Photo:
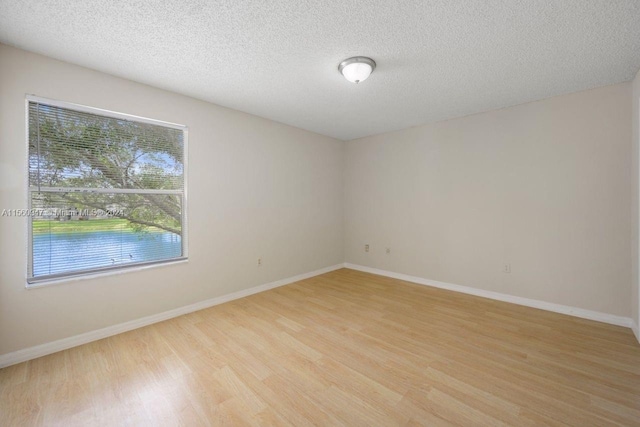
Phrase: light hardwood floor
(344, 348)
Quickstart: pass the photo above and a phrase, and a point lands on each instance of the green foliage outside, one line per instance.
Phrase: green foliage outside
(80, 150)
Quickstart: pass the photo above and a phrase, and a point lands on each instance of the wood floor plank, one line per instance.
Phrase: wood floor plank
(344, 348)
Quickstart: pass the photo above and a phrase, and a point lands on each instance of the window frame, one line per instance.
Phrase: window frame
(34, 282)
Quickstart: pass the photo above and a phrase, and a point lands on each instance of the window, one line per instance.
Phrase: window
(106, 190)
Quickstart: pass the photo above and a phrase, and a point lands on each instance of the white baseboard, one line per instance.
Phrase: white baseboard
(635, 329)
(558, 308)
(65, 343)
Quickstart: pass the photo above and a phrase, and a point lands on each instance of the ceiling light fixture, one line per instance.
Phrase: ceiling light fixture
(357, 69)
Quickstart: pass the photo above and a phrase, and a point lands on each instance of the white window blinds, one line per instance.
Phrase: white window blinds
(106, 190)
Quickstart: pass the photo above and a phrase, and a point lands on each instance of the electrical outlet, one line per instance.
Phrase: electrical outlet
(366, 248)
(259, 261)
(507, 268)
(388, 250)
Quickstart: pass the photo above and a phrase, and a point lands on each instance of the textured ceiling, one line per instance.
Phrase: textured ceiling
(436, 59)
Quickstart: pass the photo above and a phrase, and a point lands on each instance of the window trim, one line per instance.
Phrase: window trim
(34, 282)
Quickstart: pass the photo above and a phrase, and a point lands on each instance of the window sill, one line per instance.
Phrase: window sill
(97, 274)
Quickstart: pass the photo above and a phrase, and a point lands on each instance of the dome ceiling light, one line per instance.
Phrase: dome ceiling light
(357, 69)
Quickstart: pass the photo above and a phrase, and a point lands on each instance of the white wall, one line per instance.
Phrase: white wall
(635, 210)
(544, 186)
(256, 188)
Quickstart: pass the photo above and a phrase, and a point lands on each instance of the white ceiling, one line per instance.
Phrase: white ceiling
(436, 59)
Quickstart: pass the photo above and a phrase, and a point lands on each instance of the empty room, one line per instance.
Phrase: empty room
(331, 213)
